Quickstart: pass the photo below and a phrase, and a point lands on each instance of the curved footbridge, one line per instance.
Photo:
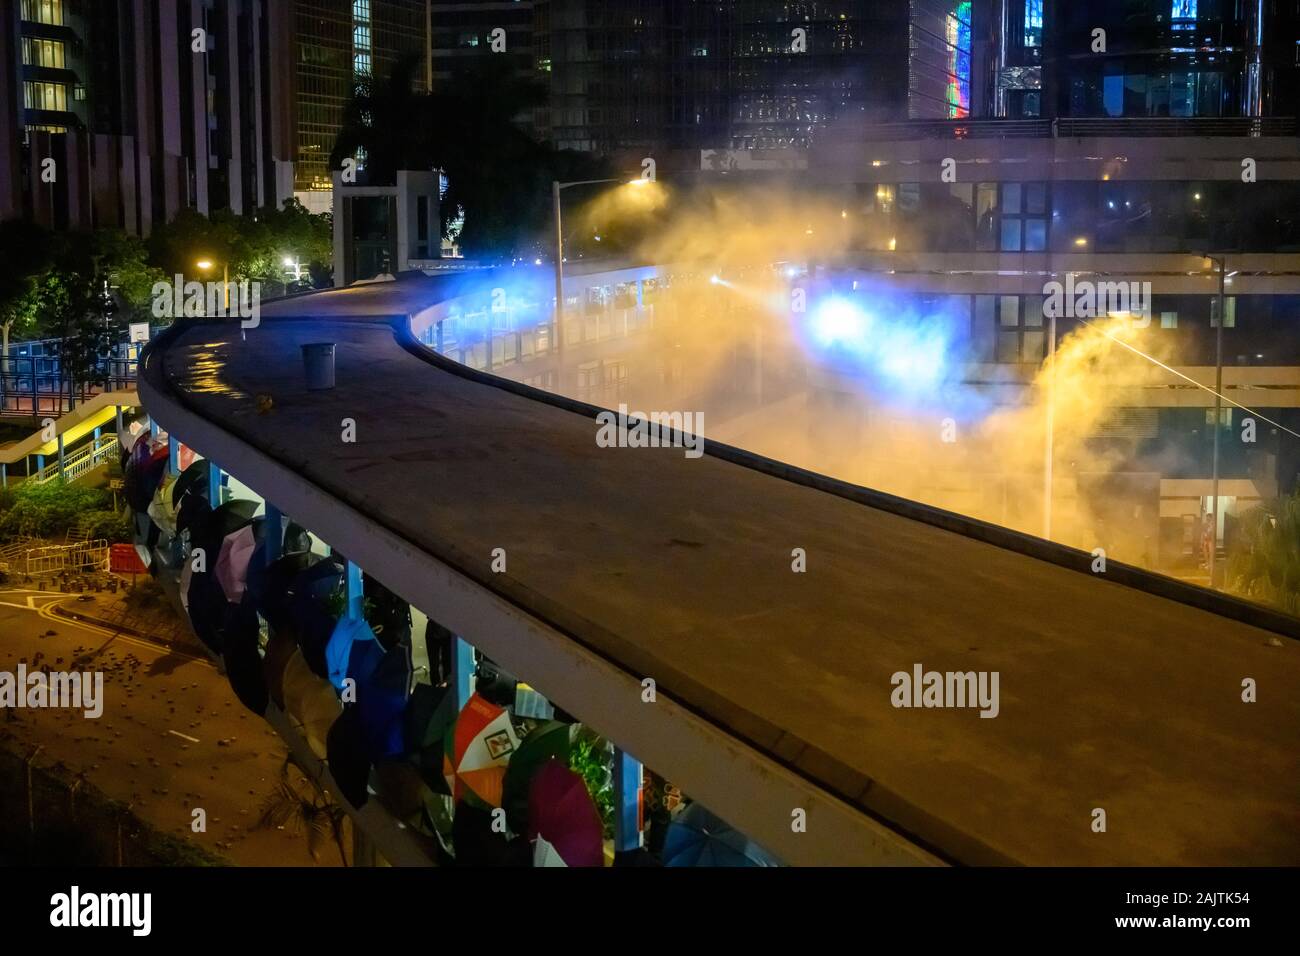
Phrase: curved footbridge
(1119, 691)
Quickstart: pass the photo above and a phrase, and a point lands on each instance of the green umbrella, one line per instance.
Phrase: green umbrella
(547, 741)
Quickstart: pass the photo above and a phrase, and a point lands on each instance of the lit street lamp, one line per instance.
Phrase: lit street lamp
(556, 187)
(206, 264)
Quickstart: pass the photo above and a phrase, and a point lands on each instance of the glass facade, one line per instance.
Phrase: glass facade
(1070, 216)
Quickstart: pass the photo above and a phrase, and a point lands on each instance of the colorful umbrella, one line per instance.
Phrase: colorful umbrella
(546, 742)
(131, 436)
(563, 823)
(698, 838)
(478, 747)
(163, 507)
(232, 562)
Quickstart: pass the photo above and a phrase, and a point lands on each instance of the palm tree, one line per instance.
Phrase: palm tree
(1264, 562)
(299, 803)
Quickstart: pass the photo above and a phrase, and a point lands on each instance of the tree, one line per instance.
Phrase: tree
(498, 177)
(1264, 562)
(71, 305)
(27, 252)
(244, 247)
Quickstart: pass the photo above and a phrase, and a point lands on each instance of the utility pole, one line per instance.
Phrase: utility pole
(1222, 263)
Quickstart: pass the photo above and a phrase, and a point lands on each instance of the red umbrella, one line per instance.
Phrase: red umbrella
(563, 820)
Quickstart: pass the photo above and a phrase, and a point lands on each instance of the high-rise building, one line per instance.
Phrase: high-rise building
(462, 31)
(638, 76)
(1145, 58)
(336, 44)
(123, 112)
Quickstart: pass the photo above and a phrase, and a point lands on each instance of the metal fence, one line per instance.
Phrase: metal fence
(32, 382)
(54, 558)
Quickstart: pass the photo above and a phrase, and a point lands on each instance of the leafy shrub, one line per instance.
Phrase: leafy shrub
(49, 510)
(108, 524)
(592, 759)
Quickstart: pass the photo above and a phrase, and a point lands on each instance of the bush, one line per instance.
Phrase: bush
(49, 510)
(108, 524)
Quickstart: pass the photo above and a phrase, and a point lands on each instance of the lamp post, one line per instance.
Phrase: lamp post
(206, 264)
(556, 187)
(1222, 263)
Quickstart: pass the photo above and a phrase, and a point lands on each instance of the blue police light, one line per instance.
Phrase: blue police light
(839, 322)
(897, 345)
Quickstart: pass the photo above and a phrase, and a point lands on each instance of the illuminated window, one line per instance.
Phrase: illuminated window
(38, 52)
(1230, 308)
(45, 96)
(1033, 23)
(1183, 14)
(361, 49)
(44, 11)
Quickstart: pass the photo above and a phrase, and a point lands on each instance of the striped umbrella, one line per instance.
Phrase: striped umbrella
(477, 749)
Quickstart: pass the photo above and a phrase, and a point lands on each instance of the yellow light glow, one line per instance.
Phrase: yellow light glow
(1081, 241)
(204, 264)
(893, 244)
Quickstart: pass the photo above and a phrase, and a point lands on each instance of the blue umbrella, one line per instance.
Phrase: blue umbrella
(383, 688)
(698, 838)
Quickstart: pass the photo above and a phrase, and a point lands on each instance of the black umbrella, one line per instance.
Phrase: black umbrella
(346, 751)
(429, 712)
(219, 523)
(193, 479)
(191, 514)
(272, 589)
(243, 662)
(312, 615)
(207, 608)
(477, 844)
(142, 477)
(389, 615)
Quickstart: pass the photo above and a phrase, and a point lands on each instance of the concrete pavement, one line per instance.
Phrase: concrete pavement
(172, 736)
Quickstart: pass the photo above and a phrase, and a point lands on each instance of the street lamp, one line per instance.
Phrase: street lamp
(206, 264)
(1222, 263)
(556, 187)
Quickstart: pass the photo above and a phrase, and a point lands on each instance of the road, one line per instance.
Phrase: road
(172, 736)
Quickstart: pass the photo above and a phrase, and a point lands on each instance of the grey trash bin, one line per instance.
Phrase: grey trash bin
(318, 358)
